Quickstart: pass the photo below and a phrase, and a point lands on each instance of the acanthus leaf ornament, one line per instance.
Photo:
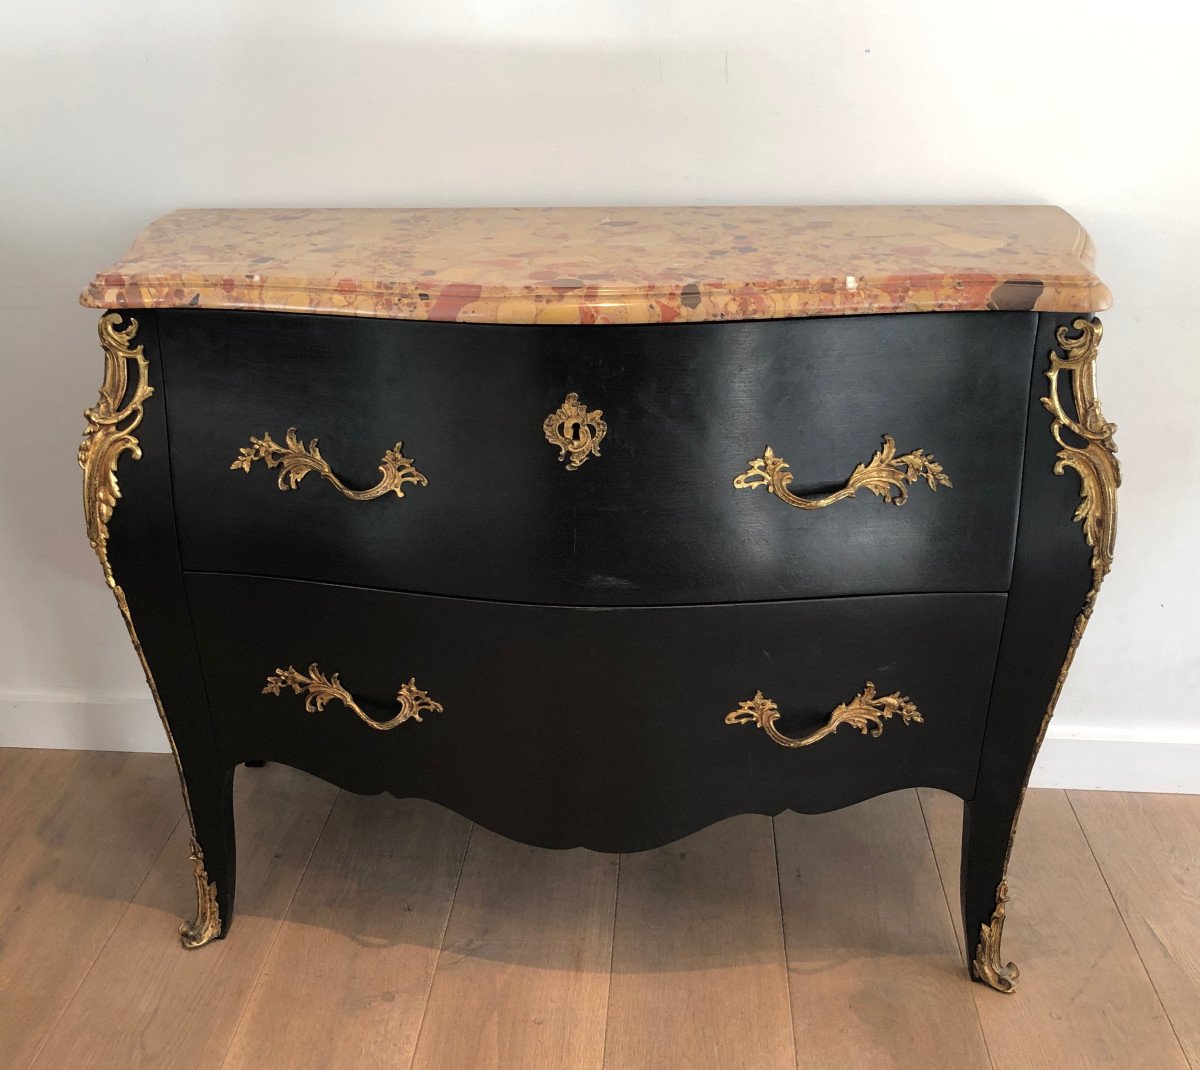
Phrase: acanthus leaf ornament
(109, 434)
(1095, 461)
(986, 966)
(295, 460)
(867, 712)
(885, 475)
(576, 430)
(207, 926)
(319, 690)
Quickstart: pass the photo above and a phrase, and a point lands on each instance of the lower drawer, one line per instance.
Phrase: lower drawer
(603, 727)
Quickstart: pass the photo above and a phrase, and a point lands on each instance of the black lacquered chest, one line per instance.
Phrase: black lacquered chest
(600, 563)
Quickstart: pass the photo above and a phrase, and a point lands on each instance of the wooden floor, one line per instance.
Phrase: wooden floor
(383, 933)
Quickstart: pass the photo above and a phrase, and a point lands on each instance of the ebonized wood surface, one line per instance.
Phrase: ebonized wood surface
(1051, 580)
(599, 727)
(588, 631)
(655, 519)
(144, 552)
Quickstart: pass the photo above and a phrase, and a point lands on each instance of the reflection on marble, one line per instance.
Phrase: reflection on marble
(608, 265)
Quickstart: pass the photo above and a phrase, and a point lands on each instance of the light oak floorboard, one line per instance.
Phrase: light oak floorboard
(875, 972)
(347, 981)
(1148, 848)
(80, 833)
(522, 979)
(149, 1003)
(1083, 999)
(697, 958)
(29, 779)
(699, 971)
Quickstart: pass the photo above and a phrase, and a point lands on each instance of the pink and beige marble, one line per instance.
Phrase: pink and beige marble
(608, 265)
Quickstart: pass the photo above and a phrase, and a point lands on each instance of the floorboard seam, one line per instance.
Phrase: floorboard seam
(787, 971)
(955, 920)
(612, 951)
(1121, 914)
(955, 925)
(100, 951)
(262, 967)
(462, 864)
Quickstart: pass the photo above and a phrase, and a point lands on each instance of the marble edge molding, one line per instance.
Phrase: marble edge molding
(712, 305)
(156, 272)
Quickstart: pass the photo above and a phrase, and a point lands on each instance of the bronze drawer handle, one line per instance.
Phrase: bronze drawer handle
(866, 712)
(885, 475)
(320, 689)
(295, 460)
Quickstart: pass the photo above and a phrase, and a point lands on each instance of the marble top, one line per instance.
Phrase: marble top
(608, 265)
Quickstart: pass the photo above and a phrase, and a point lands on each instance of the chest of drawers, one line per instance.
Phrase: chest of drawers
(599, 526)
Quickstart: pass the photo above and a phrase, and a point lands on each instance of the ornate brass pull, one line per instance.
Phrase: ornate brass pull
(575, 430)
(320, 689)
(885, 475)
(866, 712)
(295, 460)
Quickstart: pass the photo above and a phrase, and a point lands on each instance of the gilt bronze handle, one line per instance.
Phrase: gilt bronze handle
(866, 712)
(885, 475)
(295, 460)
(320, 689)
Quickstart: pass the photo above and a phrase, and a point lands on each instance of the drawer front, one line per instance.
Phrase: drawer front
(617, 728)
(653, 515)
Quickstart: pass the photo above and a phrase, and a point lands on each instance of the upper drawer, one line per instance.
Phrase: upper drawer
(655, 517)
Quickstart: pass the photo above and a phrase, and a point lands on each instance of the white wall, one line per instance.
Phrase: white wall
(111, 115)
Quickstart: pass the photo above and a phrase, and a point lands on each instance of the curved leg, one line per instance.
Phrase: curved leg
(214, 857)
(1057, 571)
(986, 827)
(139, 554)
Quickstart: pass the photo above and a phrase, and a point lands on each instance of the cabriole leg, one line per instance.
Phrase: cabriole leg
(985, 836)
(213, 855)
(1057, 572)
(138, 550)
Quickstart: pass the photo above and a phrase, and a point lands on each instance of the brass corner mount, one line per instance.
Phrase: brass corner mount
(207, 926)
(109, 434)
(1090, 449)
(986, 965)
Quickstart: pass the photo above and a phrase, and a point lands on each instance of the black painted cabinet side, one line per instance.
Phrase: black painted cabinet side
(1052, 576)
(144, 553)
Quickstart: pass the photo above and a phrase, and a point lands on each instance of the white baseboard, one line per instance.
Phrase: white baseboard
(67, 722)
(1120, 759)
(1143, 759)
